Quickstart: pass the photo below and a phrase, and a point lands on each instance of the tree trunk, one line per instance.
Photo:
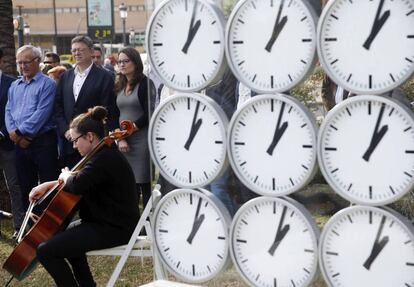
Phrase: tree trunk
(7, 38)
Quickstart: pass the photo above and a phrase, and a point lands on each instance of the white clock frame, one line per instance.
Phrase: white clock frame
(185, 44)
(351, 239)
(367, 46)
(365, 155)
(197, 214)
(291, 163)
(267, 66)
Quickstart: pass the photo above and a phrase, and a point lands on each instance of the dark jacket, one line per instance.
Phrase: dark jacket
(97, 90)
(5, 83)
(107, 186)
(146, 90)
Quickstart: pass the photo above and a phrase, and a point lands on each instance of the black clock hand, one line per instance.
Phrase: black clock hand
(377, 246)
(192, 30)
(280, 233)
(277, 28)
(376, 136)
(377, 25)
(279, 131)
(195, 126)
(198, 220)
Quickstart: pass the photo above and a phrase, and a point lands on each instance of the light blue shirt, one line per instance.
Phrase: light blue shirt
(30, 105)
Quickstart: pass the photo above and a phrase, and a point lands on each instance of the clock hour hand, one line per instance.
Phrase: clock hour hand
(279, 131)
(192, 30)
(377, 246)
(280, 233)
(277, 28)
(195, 126)
(376, 136)
(379, 21)
(198, 220)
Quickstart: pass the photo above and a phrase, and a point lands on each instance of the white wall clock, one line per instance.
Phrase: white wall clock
(274, 243)
(367, 246)
(367, 46)
(191, 234)
(185, 43)
(272, 144)
(187, 137)
(271, 44)
(366, 149)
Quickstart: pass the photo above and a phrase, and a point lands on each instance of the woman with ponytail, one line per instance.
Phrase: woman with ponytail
(108, 208)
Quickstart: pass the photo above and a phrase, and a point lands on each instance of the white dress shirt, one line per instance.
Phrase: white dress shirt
(80, 78)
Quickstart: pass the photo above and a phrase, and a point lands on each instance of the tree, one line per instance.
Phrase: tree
(7, 37)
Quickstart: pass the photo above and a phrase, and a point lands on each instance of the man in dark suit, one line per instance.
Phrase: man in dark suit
(79, 89)
(7, 155)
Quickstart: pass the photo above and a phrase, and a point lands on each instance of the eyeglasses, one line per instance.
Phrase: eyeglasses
(75, 140)
(126, 61)
(48, 62)
(25, 63)
(80, 50)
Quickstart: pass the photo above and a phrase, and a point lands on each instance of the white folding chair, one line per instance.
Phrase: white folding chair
(138, 245)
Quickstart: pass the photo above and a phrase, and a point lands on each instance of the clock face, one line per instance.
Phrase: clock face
(188, 140)
(271, 44)
(279, 157)
(367, 246)
(366, 149)
(188, 34)
(274, 243)
(191, 234)
(367, 46)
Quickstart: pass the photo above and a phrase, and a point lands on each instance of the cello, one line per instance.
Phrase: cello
(22, 260)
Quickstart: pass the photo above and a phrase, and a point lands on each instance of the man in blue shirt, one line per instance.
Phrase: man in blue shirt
(30, 123)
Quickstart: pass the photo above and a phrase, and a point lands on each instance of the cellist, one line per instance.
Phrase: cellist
(108, 209)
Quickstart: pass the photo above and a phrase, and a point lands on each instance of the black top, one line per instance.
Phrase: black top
(107, 185)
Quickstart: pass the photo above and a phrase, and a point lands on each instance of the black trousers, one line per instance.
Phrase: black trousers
(71, 246)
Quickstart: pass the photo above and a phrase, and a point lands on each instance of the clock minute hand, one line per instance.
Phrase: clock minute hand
(280, 233)
(377, 246)
(379, 21)
(376, 136)
(277, 28)
(279, 131)
(192, 30)
(195, 126)
(198, 220)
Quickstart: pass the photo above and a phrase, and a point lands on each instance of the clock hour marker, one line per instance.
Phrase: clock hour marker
(221, 238)
(219, 256)
(218, 142)
(291, 181)
(175, 171)
(239, 143)
(370, 217)
(243, 163)
(216, 42)
(238, 42)
(305, 167)
(166, 249)
(293, 212)
(336, 274)
(215, 62)
(409, 60)
(348, 111)
(407, 242)
(349, 187)
(290, 3)
(165, 212)
(409, 151)
(307, 146)
(335, 17)
(257, 209)
(306, 270)
(163, 157)
(240, 21)
(204, 77)
(257, 277)
(410, 36)
(293, 283)
(334, 232)
(349, 77)
(243, 124)
(332, 253)
(163, 230)
(208, 267)
(244, 221)
(332, 126)
(409, 13)
(217, 161)
(272, 105)
(273, 183)
(303, 19)
(290, 77)
(407, 129)
(330, 148)
(254, 77)
(290, 109)
(171, 10)
(271, 82)
(271, 3)
(254, 108)
(157, 44)
(191, 198)
(193, 270)
(369, 108)
(245, 260)
(178, 264)
(172, 105)
(160, 25)
(334, 61)
(392, 77)
(392, 190)
(241, 241)
(309, 250)
(392, 110)
(176, 201)
(253, 5)
(274, 282)
(255, 179)
(391, 224)
(160, 64)
(188, 81)
(215, 123)
(304, 125)
(331, 39)
(189, 176)
(407, 174)
(349, 218)
(160, 139)
(205, 205)
(303, 61)
(370, 81)
(214, 22)
(409, 264)
(306, 40)
(172, 78)
(241, 63)
(370, 192)
(206, 175)
(161, 119)
(274, 207)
